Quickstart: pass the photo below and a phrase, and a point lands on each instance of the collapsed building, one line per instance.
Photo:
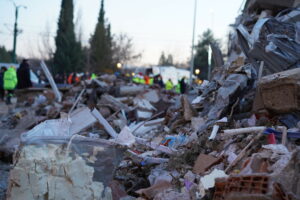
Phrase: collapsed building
(235, 137)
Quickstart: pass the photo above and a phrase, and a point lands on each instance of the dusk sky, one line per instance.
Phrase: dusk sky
(154, 25)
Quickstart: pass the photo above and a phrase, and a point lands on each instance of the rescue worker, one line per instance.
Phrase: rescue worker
(70, 78)
(141, 78)
(169, 85)
(147, 79)
(93, 76)
(160, 82)
(151, 80)
(23, 75)
(10, 83)
(177, 88)
(2, 91)
(135, 79)
(182, 85)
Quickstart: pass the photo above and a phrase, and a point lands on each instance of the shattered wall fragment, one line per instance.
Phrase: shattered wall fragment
(48, 172)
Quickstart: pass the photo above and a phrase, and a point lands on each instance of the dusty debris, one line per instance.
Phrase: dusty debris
(48, 171)
(204, 162)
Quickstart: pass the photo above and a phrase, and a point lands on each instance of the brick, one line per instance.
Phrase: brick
(246, 185)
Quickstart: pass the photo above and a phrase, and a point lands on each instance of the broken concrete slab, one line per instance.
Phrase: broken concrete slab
(152, 96)
(42, 171)
(81, 119)
(114, 103)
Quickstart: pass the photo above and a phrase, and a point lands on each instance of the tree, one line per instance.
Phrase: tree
(201, 57)
(101, 45)
(163, 61)
(46, 50)
(5, 56)
(68, 54)
(123, 51)
(169, 60)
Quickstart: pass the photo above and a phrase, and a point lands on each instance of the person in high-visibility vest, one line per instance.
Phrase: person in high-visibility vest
(10, 81)
(151, 80)
(93, 76)
(135, 79)
(169, 85)
(147, 79)
(141, 78)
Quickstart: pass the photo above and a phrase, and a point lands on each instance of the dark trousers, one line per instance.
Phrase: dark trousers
(2, 93)
(9, 94)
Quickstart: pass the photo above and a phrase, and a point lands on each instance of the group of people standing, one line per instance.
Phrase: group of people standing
(150, 80)
(10, 79)
(179, 88)
(73, 77)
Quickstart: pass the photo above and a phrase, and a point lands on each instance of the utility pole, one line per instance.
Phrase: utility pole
(16, 31)
(209, 63)
(209, 47)
(193, 46)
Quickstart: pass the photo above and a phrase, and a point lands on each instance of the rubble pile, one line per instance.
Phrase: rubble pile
(234, 137)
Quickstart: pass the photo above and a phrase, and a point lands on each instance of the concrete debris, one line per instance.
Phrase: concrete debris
(48, 172)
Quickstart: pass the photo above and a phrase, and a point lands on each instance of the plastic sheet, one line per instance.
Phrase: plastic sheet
(270, 41)
(278, 134)
(73, 167)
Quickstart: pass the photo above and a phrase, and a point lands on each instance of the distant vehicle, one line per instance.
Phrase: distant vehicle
(33, 77)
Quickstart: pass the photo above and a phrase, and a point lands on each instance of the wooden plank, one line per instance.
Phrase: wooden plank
(242, 154)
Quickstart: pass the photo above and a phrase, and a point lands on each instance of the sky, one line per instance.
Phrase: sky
(154, 25)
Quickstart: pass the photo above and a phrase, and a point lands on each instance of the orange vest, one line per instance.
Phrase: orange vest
(147, 80)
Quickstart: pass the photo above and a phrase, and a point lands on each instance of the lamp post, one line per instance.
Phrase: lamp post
(209, 63)
(119, 65)
(193, 41)
(16, 30)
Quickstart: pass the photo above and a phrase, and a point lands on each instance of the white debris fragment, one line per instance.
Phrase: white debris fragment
(208, 181)
(46, 171)
(125, 137)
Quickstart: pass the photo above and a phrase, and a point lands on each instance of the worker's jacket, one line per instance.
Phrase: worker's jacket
(169, 85)
(94, 76)
(177, 88)
(151, 81)
(147, 80)
(10, 79)
(135, 80)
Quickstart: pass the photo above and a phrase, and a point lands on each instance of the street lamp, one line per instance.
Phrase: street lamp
(16, 30)
(193, 41)
(119, 65)
(209, 62)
